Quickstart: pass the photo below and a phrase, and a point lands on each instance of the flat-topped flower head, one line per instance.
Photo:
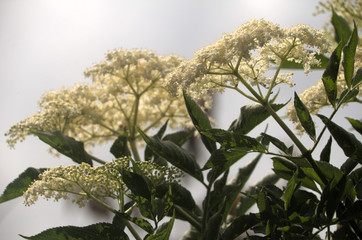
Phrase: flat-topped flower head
(249, 52)
(127, 92)
(84, 182)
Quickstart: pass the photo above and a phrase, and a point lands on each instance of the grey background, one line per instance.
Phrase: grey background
(47, 44)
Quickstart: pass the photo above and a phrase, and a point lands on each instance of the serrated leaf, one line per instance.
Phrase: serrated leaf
(349, 52)
(341, 27)
(97, 231)
(200, 120)
(276, 142)
(356, 124)
(304, 116)
(251, 116)
(240, 225)
(119, 148)
(326, 152)
(65, 145)
(17, 187)
(137, 184)
(346, 140)
(174, 154)
(330, 75)
(229, 140)
(142, 223)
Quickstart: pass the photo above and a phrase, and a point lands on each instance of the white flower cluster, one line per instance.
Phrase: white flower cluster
(126, 93)
(84, 182)
(250, 51)
(314, 98)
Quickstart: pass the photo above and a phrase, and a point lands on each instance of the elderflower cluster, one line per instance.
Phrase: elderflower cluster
(314, 98)
(60, 110)
(249, 52)
(84, 182)
(126, 93)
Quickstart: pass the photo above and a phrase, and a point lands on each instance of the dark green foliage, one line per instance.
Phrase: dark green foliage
(65, 145)
(119, 147)
(346, 140)
(251, 116)
(104, 231)
(174, 154)
(17, 187)
(200, 120)
(304, 116)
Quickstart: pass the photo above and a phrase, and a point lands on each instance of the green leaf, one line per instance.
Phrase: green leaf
(326, 152)
(200, 120)
(137, 184)
(180, 195)
(164, 231)
(248, 201)
(233, 188)
(251, 116)
(341, 27)
(353, 212)
(330, 172)
(174, 154)
(349, 52)
(104, 231)
(346, 140)
(17, 187)
(347, 96)
(119, 148)
(229, 140)
(142, 223)
(164, 205)
(279, 144)
(330, 75)
(240, 225)
(212, 231)
(356, 124)
(289, 190)
(159, 134)
(179, 138)
(304, 116)
(334, 196)
(65, 145)
(221, 160)
(348, 165)
(357, 79)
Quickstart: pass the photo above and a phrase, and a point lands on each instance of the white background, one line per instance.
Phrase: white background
(47, 44)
